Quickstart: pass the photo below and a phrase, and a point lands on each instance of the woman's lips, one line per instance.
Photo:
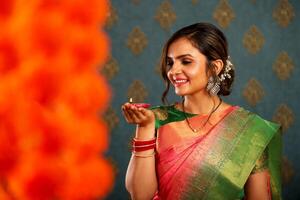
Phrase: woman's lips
(179, 82)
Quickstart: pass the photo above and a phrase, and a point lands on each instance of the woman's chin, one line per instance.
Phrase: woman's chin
(180, 92)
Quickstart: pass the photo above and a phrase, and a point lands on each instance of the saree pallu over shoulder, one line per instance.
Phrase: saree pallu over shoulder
(217, 165)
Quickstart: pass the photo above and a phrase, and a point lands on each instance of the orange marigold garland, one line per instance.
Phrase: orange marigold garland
(51, 138)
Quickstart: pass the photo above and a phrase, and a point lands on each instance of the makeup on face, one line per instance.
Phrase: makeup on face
(185, 59)
(179, 79)
(186, 67)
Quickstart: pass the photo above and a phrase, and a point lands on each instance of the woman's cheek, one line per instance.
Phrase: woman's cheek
(196, 70)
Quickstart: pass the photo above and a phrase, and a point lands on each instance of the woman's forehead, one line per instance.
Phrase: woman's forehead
(181, 47)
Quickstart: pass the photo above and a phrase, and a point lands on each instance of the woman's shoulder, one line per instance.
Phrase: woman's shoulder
(259, 118)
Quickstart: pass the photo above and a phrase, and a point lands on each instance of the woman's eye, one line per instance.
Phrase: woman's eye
(169, 63)
(186, 62)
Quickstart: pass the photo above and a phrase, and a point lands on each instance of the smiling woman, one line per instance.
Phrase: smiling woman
(203, 147)
(187, 72)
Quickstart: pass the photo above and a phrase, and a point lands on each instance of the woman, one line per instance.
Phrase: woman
(202, 147)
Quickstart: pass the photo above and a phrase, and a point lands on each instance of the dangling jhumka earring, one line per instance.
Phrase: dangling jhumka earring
(213, 84)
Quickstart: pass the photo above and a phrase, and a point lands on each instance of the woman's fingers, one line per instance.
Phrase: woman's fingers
(137, 112)
(144, 111)
(133, 114)
(127, 115)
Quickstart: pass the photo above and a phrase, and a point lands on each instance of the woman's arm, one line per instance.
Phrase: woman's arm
(257, 186)
(141, 180)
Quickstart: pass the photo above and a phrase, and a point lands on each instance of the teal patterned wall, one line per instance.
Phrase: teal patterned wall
(264, 45)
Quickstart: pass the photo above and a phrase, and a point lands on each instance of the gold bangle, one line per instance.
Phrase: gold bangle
(143, 155)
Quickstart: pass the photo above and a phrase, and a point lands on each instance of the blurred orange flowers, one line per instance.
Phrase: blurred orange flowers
(51, 137)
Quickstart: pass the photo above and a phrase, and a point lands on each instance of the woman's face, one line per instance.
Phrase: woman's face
(187, 68)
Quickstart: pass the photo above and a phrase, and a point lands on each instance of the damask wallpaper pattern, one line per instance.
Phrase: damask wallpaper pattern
(264, 45)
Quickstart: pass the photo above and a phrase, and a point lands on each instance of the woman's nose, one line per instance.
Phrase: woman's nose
(176, 69)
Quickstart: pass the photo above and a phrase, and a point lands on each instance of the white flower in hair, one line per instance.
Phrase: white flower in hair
(228, 67)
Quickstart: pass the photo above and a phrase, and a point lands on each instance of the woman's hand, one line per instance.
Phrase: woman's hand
(138, 115)
(137, 168)
(142, 117)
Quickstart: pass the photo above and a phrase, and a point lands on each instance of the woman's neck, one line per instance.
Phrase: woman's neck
(200, 104)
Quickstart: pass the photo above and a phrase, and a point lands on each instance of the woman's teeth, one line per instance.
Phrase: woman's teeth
(180, 81)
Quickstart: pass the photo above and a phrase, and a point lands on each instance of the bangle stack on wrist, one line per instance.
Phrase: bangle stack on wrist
(143, 145)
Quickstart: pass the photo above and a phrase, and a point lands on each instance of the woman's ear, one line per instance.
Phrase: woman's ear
(218, 65)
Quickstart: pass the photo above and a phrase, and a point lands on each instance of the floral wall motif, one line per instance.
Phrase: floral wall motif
(264, 45)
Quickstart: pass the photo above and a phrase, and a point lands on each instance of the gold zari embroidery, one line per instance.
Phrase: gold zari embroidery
(262, 163)
(160, 114)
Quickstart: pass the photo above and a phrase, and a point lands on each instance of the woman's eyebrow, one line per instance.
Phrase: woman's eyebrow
(180, 56)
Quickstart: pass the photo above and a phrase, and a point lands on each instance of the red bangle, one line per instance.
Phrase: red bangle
(143, 145)
(136, 142)
(143, 148)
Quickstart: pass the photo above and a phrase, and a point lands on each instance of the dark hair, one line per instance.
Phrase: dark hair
(211, 42)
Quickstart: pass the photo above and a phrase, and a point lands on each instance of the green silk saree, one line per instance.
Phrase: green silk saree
(215, 165)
